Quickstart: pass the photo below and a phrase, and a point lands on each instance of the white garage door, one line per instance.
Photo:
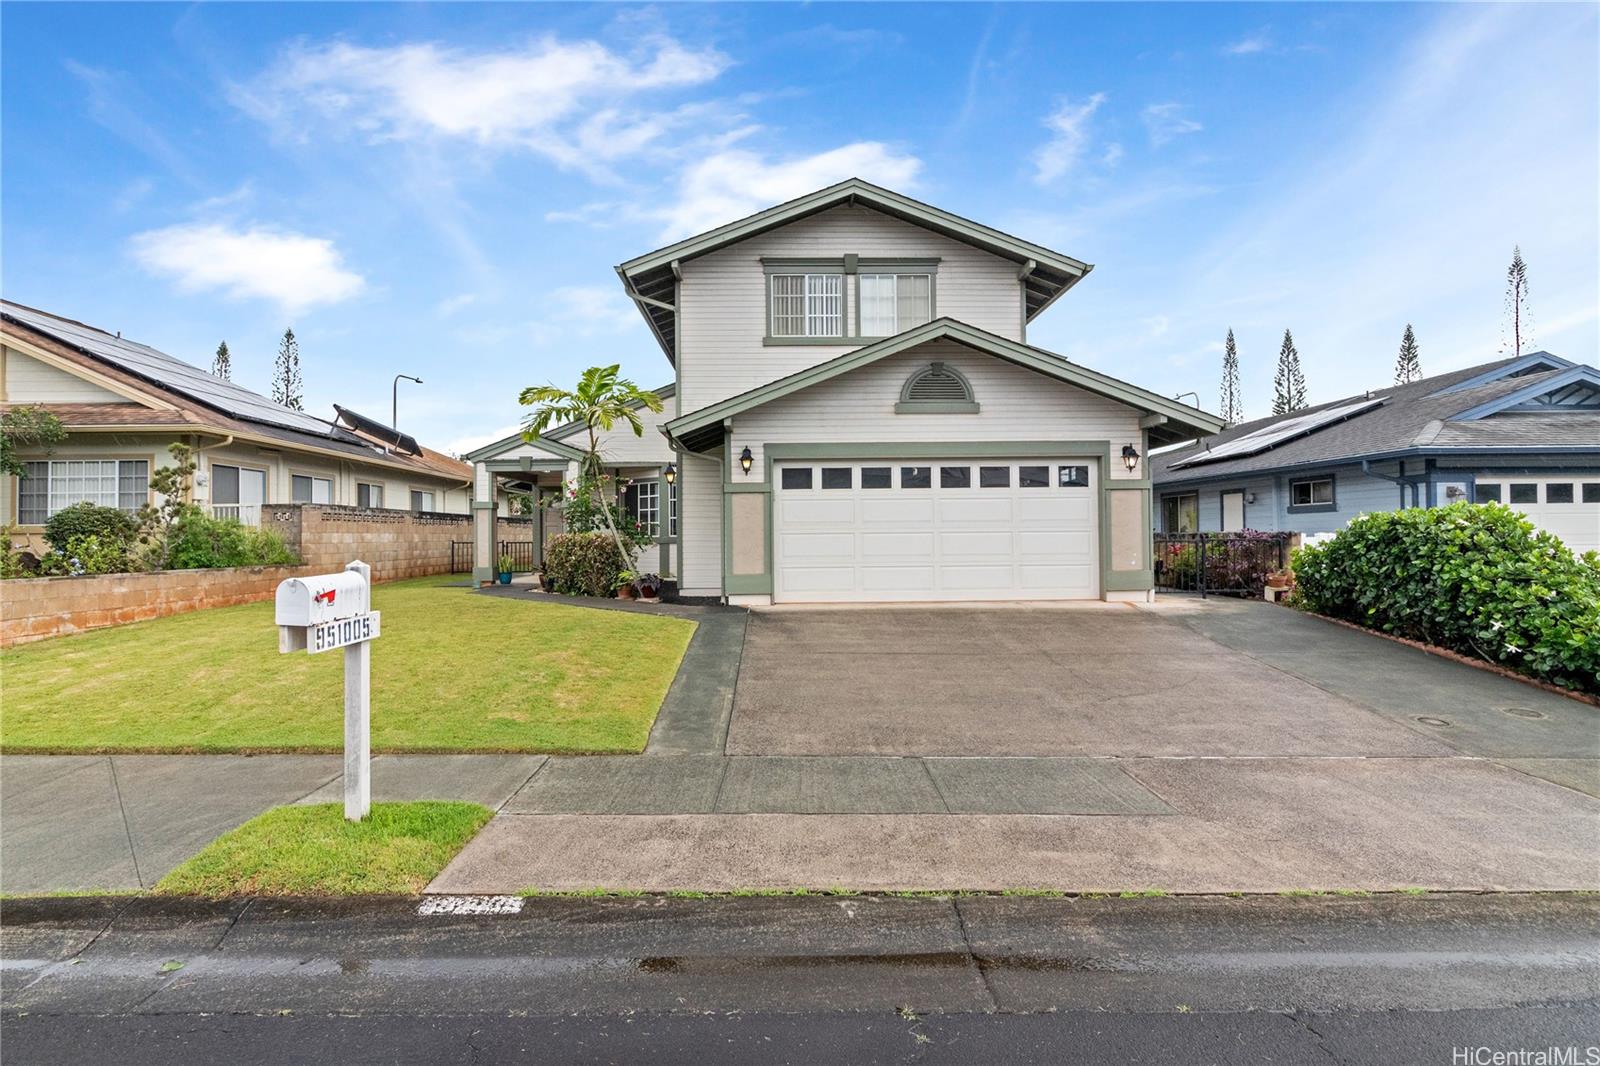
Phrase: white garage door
(951, 529)
(1569, 507)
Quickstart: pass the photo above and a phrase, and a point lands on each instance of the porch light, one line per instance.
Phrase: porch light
(746, 459)
(670, 473)
(1130, 457)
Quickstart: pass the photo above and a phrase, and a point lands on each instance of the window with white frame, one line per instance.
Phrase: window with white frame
(642, 501)
(368, 495)
(1316, 492)
(672, 509)
(807, 305)
(421, 500)
(303, 488)
(53, 485)
(894, 303)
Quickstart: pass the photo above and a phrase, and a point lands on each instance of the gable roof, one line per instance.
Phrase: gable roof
(551, 439)
(1431, 416)
(650, 279)
(165, 392)
(1174, 421)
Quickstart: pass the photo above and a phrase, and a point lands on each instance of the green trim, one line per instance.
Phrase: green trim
(1044, 362)
(893, 265)
(785, 342)
(484, 505)
(748, 585)
(823, 265)
(936, 407)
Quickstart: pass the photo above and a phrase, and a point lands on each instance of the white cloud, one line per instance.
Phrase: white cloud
(1166, 122)
(446, 308)
(569, 100)
(585, 310)
(474, 441)
(295, 271)
(1069, 128)
(1256, 42)
(730, 184)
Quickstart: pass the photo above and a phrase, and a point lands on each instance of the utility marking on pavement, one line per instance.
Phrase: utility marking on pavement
(470, 905)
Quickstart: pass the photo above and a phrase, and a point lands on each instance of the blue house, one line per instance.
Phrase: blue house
(1522, 431)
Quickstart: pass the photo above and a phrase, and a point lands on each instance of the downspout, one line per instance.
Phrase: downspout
(223, 443)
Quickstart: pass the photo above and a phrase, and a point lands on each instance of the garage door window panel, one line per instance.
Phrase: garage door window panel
(994, 477)
(877, 477)
(916, 477)
(1073, 477)
(838, 477)
(797, 478)
(1591, 492)
(1033, 477)
(1486, 492)
(1523, 492)
(955, 477)
(1558, 492)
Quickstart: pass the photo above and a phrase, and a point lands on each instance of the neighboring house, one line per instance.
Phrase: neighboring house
(1524, 432)
(124, 403)
(857, 414)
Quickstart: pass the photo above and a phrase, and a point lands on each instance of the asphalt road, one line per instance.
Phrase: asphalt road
(857, 979)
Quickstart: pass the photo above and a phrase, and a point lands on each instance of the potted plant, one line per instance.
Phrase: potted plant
(648, 586)
(624, 585)
(506, 563)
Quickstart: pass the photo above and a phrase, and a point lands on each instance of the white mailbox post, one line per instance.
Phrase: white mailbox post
(325, 612)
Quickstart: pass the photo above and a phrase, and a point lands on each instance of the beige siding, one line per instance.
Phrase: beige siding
(722, 297)
(28, 380)
(700, 521)
(1015, 404)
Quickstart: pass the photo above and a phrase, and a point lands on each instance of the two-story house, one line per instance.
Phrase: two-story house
(857, 417)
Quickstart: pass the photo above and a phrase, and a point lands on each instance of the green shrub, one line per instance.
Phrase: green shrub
(583, 564)
(96, 555)
(89, 520)
(199, 542)
(1474, 578)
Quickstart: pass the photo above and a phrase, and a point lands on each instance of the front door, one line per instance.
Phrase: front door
(1232, 512)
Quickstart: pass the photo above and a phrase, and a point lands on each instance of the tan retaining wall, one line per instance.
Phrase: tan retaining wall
(38, 607)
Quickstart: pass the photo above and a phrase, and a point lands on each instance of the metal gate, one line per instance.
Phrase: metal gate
(521, 552)
(461, 557)
(1233, 564)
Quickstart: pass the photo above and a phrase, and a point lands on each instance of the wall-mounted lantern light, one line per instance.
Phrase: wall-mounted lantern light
(670, 473)
(1249, 497)
(1130, 457)
(746, 459)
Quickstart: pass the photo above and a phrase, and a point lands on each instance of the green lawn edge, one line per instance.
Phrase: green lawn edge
(311, 850)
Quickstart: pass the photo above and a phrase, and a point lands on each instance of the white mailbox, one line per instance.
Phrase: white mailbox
(311, 601)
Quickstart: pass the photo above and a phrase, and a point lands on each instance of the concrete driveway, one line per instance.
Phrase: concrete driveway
(1096, 680)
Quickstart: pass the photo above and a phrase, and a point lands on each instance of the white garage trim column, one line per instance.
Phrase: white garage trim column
(484, 492)
(1125, 570)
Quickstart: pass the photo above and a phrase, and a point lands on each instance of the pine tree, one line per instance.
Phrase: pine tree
(1519, 319)
(1288, 384)
(1232, 402)
(286, 384)
(222, 365)
(1408, 365)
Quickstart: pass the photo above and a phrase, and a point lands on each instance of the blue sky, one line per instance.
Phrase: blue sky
(444, 190)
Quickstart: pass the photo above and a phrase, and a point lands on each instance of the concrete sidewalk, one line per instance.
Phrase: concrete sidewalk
(77, 822)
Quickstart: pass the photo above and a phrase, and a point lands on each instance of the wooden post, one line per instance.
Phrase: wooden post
(358, 718)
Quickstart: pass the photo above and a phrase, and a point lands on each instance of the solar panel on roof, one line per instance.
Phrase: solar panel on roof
(175, 374)
(1271, 436)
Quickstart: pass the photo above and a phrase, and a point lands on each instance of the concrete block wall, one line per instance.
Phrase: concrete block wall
(39, 607)
(396, 544)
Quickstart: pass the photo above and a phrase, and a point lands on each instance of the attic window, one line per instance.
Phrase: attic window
(936, 389)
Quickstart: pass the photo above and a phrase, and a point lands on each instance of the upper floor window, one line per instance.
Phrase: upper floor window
(894, 303)
(807, 305)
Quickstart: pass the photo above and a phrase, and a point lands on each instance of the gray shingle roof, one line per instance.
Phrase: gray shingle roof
(1417, 415)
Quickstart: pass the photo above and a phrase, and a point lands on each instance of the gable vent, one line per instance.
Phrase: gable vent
(938, 384)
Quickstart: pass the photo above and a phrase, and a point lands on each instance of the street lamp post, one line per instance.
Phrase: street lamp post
(394, 405)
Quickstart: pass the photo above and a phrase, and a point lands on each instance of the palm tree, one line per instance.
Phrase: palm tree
(602, 399)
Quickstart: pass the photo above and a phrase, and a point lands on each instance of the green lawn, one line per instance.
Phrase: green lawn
(453, 671)
(313, 851)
